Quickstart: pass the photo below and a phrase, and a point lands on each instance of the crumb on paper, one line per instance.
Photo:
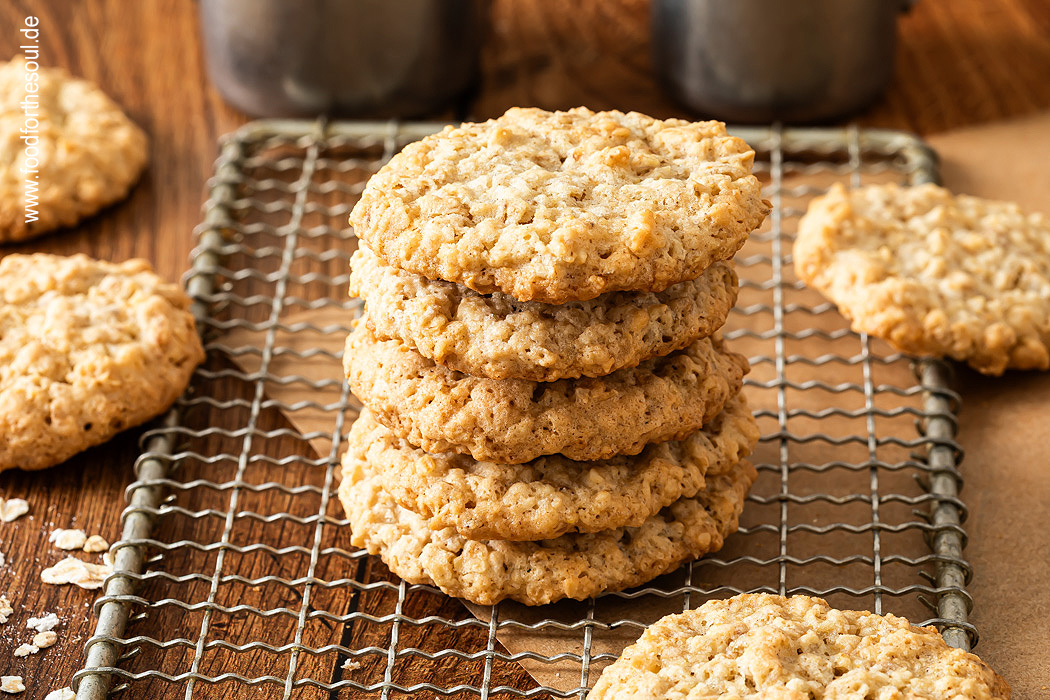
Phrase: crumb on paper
(351, 665)
(26, 650)
(73, 570)
(5, 609)
(13, 509)
(61, 694)
(12, 684)
(68, 539)
(43, 640)
(95, 543)
(43, 624)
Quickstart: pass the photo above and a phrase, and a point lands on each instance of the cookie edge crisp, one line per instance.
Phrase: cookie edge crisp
(879, 309)
(441, 410)
(630, 673)
(387, 225)
(461, 500)
(432, 322)
(31, 457)
(483, 572)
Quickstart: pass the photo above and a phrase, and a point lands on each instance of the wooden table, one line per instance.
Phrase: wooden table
(960, 63)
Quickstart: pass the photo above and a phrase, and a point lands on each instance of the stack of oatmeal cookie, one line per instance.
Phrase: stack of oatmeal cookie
(549, 409)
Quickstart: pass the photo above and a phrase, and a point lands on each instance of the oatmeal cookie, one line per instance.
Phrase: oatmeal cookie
(553, 495)
(516, 420)
(564, 206)
(932, 273)
(761, 646)
(87, 349)
(535, 573)
(496, 336)
(87, 153)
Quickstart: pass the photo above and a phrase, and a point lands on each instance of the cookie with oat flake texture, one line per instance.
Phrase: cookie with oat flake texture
(553, 495)
(761, 646)
(87, 349)
(574, 566)
(563, 206)
(932, 273)
(88, 153)
(516, 420)
(499, 337)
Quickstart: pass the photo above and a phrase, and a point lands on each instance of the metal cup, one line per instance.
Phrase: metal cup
(775, 60)
(342, 57)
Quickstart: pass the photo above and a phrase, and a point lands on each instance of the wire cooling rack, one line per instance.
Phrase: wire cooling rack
(234, 576)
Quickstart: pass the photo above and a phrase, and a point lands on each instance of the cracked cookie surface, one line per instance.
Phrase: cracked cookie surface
(496, 336)
(550, 496)
(574, 566)
(87, 349)
(933, 273)
(761, 646)
(88, 153)
(516, 420)
(562, 206)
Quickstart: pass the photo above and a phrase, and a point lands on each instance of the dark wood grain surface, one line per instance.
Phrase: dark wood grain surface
(960, 62)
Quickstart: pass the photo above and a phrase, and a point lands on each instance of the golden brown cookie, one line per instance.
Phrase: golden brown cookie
(535, 573)
(81, 154)
(563, 206)
(87, 349)
(516, 420)
(553, 495)
(496, 336)
(761, 646)
(933, 273)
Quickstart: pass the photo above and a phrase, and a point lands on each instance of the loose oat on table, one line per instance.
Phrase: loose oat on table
(761, 646)
(517, 420)
(5, 609)
(67, 539)
(561, 206)
(87, 349)
(78, 572)
(25, 650)
(496, 336)
(61, 694)
(43, 640)
(11, 509)
(45, 623)
(88, 153)
(12, 684)
(95, 544)
(552, 495)
(933, 273)
(575, 566)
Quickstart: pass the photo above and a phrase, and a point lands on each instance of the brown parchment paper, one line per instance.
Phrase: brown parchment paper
(1005, 429)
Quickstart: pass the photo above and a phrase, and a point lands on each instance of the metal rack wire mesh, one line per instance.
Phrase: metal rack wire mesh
(234, 577)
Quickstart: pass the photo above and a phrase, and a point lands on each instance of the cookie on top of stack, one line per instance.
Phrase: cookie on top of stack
(550, 411)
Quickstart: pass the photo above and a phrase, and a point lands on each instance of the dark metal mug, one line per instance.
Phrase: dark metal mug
(770, 60)
(343, 57)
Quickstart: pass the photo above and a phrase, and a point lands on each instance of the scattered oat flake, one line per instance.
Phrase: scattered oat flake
(68, 539)
(61, 694)
(95, 543)
(3, 559)
(351, 665)
(73, 570)
(13, 509)
(12, 684)
(26, 650)
(43, 624)
(5, 609)
(43, 640)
